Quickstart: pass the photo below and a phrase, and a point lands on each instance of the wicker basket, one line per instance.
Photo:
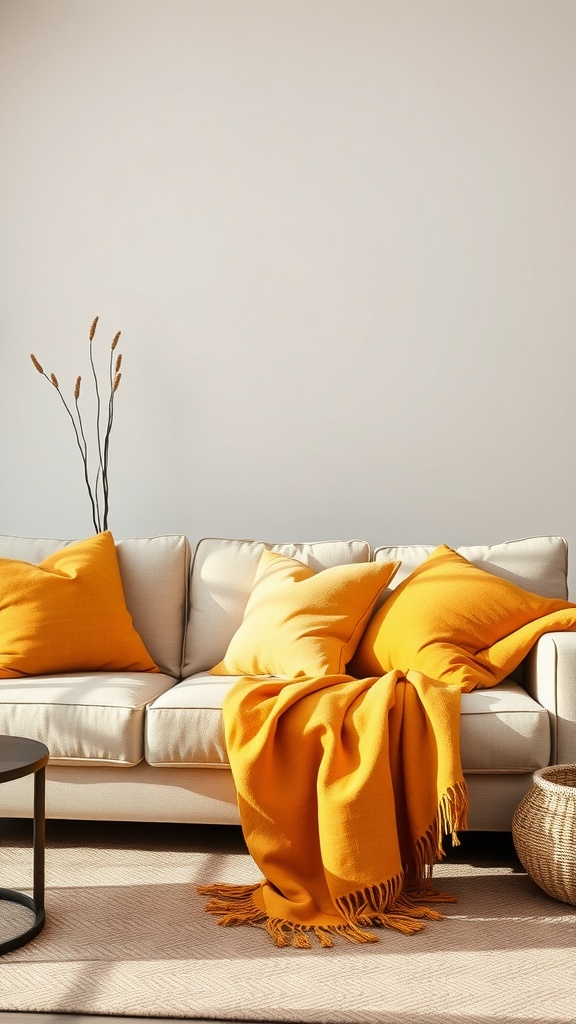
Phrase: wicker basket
(544, 831)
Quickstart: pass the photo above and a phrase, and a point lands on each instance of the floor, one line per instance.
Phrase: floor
(80, 1018)
(472, 843)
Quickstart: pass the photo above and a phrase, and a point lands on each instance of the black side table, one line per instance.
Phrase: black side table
(18, 757)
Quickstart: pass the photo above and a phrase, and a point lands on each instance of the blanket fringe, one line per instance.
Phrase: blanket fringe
(391, 905)
(451, 818)
(400, 903)
(233, 902)
(235, 906)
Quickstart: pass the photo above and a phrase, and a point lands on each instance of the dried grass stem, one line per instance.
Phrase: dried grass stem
(98, 492)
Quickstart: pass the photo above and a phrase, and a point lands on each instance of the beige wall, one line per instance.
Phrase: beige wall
(339, 237)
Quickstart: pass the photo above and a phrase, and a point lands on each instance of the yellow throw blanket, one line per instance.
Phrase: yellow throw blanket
(348, 783)
(346, 788)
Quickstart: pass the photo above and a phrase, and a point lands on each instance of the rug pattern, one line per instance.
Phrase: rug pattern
(127, 934)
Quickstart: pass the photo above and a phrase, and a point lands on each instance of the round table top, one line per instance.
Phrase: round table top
(20, 756)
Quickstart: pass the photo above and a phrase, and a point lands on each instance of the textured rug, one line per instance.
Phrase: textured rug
(127, 934)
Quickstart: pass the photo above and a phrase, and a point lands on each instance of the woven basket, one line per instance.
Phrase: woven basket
(544, 831)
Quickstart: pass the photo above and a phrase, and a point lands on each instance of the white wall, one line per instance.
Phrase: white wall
(339, 238)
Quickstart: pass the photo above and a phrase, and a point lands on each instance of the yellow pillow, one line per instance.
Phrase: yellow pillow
(301, 623)
(68, 614)
(455, 622)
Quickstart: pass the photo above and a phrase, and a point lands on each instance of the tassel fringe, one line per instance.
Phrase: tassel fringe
(451, 818)
(367, 908)
(399, 903)
(235, 906)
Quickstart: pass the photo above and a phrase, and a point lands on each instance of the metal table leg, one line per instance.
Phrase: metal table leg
(35, 903)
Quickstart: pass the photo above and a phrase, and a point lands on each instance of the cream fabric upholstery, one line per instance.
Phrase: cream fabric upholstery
(550, 678)
(494, 798)
(155, 574)
(502, 729)
(142, 793)
(223, 572)
(204, 795)
(538, 564)
(96, 718)
(184, 725)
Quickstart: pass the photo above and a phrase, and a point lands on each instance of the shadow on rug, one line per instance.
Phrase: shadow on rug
(127, 934)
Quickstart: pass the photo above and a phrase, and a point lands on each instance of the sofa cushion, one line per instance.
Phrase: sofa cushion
(538, 564)
(502, 729)
(154, 572)
(185, 726)
(68, 614)
(223, 574)
(299, 622)
(96, 717)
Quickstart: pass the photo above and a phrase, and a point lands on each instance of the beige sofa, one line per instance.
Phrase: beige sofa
(151, 747)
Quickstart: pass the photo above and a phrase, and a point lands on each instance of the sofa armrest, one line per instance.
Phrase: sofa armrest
(550, 678)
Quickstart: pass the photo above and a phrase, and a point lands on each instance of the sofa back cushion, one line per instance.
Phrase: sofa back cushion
(154, 572)
(537, 564)
(223, 574)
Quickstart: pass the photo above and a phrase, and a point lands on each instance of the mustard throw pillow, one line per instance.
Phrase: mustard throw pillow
(458, 623)
(68, 614)
(301, 623)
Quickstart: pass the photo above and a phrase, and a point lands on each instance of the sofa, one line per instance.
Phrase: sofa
(150, 746)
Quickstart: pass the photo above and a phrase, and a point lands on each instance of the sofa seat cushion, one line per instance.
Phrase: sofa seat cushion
(93, 718)
(185, 726)
(502, 729)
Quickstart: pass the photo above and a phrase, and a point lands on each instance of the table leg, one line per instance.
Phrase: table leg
(39, 838)
(35, 903)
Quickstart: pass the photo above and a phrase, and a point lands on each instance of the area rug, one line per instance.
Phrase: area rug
(127, 934)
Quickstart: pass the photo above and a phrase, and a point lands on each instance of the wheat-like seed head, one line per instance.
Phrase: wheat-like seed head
(97, 491)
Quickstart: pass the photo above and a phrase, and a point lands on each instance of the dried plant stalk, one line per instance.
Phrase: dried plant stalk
(98, 491)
